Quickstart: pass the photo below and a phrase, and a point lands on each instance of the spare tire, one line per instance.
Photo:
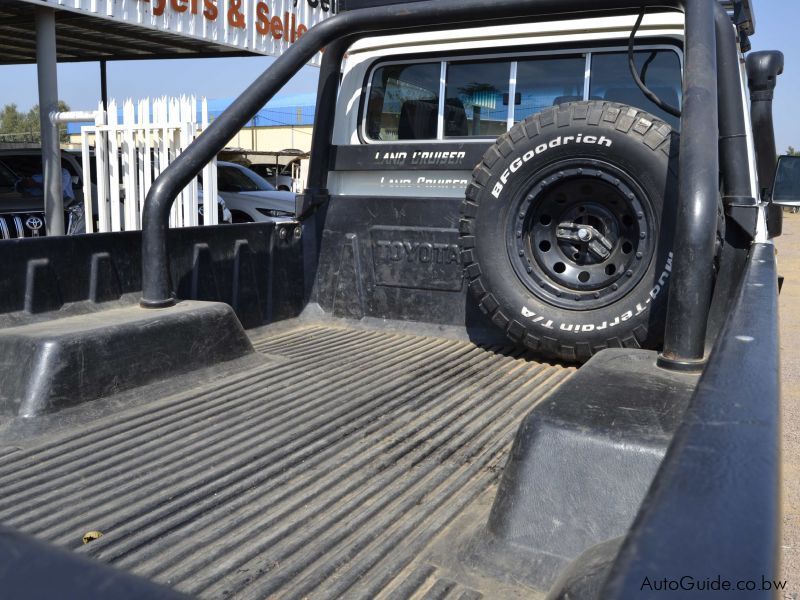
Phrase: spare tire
(567, 229)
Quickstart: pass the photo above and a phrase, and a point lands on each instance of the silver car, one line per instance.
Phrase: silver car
(250, 197)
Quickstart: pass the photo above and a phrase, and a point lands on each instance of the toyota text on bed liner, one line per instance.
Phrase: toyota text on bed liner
(519, 342)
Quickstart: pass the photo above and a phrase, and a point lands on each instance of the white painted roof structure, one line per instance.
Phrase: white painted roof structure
(141, 29)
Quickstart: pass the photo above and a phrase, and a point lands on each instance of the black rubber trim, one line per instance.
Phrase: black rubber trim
(719, 485)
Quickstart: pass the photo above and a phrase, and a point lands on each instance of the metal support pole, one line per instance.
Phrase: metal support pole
(103, 84)
(47, 74)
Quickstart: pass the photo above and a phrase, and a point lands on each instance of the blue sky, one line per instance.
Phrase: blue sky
(79, 83)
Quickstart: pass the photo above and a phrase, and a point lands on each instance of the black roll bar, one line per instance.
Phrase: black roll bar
(699, 157)
(698, 189)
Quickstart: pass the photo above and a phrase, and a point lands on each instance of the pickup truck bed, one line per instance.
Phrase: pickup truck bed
(326, 467)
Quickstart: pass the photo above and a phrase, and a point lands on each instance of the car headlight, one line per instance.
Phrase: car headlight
(271, 212)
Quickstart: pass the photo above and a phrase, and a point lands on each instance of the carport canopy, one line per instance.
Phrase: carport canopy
(46, 32)
(82, 37)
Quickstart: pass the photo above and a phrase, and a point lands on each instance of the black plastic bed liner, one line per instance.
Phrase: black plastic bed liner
(327, 471)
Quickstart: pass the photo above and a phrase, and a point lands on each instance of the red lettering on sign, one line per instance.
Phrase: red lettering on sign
(158, 7)
(210, 10)
(277, 27)
(262, 18)
(281, 27)
(235, 18)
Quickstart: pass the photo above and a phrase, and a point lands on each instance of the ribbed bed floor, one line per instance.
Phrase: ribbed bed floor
(323, 474)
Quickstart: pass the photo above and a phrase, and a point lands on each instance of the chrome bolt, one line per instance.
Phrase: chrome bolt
(298, 232)
(584, 234)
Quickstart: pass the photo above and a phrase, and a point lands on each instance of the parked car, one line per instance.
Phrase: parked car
(250, 197)
(280, 176)
(22, 207)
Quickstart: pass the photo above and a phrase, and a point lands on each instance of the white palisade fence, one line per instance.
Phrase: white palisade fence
(129, 156)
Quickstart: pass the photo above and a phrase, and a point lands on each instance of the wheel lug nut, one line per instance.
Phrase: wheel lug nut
(615, 287)
(643, 235)
(640, 215)
(522, 252)
(629, 273)
(597, 294)
(530, 269)
(519, 233)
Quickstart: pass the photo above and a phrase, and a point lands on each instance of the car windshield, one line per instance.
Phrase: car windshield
(7, 177)
(241, 179)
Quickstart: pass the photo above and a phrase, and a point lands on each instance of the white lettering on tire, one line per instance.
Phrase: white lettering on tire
(626, 316)
(516, 165)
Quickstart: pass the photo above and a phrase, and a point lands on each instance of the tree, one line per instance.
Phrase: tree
(792, 152)
(17, 126)
(12, 121)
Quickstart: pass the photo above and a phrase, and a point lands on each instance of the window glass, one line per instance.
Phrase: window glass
(65, 164)
(787, 179)
(660, 70)
(476, 103)
(544, 82)
(404, 102)
(233, 179)
(7, 178)
(25, 165)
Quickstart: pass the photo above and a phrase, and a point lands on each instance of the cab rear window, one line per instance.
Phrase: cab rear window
(456, 98)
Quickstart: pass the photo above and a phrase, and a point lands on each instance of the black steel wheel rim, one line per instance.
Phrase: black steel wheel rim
(582, 237)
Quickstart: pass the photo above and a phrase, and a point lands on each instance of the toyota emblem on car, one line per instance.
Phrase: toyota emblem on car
(34, 223)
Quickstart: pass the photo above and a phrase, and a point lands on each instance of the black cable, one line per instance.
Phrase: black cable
(675, 112)
(646, 65)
